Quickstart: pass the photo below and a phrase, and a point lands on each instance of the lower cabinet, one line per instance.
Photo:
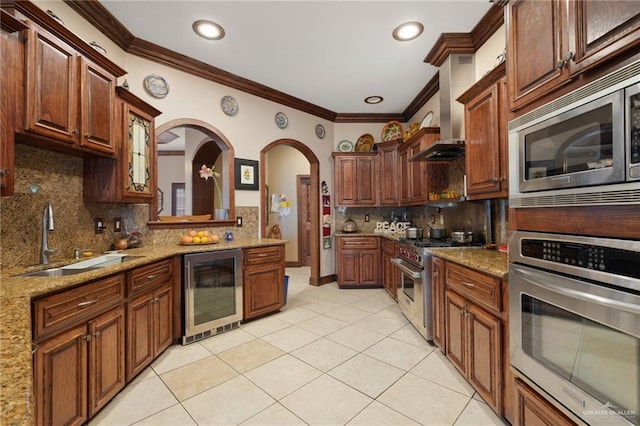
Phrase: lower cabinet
(533, 410)
(263, 283)
(438, 301)
(389, 271)
(358, 262)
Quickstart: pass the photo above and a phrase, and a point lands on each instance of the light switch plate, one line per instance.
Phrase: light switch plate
(238, 221)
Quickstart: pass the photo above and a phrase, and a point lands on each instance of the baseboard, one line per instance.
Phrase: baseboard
(323, 280)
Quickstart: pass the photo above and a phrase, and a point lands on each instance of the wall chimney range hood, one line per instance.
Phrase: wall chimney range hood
(456, 74)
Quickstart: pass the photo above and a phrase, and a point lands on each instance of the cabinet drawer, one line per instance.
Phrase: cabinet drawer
(479, 287)
(149, 276)
(61, 310)
(388, 246)
(358, 243)
(262, 255)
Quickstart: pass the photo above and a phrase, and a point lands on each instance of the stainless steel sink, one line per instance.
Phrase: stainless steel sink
(83, 266)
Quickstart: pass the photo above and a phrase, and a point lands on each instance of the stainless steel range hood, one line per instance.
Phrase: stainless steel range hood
(457, 74)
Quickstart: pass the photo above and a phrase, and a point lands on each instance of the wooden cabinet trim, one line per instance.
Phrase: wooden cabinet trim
(478, 287)
(149, 276)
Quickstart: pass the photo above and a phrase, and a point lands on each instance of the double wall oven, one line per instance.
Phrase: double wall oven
(575, 322)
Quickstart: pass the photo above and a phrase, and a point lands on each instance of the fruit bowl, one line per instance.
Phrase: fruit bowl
(196, 238)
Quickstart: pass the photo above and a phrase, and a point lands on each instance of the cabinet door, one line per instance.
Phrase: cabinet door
(533, 410)
(138, 155)
(438, 301)
(51, 88)
(485, 355)
(388, 177)
(348, 267)
(163, 318)
(97, 118)
(345, 180)
(369, 267)
(483, 134)
(389, 270)
(366, 179)
(263, 290)
(418, 177)
(106, 358)
(405, 176)
(60, 379)
(536, 41)
(140, 332)
(456, 330)
(601, 30)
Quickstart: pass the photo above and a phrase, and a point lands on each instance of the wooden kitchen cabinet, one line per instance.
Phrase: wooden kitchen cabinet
(388, 181)
(533, 410)
(79, 369)
(69, 99)
(358, 262)
(474, 331)
(438, 301)
(418, 177)
(486, 135)
(131, 178)
(355, 179)
(551, 43)
(149, 314)
(390, 274)
(263, 281)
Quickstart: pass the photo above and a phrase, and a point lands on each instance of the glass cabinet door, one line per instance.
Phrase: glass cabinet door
(140, 152)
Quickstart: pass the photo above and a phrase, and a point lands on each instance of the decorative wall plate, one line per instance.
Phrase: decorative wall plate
(156, 86)
(364, 143)
(281, 120)
(320, 131)
(391, 131)
(345, 146)
(229, 105)
(426, 121)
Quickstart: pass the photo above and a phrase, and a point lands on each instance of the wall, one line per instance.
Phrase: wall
(284, 163)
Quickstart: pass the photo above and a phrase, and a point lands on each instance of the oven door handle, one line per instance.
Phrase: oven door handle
(407, 268)
(539, 279)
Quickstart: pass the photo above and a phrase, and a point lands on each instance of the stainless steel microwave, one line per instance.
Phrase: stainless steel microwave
(580, 149)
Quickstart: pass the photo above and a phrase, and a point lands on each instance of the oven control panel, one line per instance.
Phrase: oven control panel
(611, 260)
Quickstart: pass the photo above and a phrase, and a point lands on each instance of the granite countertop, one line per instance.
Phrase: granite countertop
(16, 404)
(491, 262)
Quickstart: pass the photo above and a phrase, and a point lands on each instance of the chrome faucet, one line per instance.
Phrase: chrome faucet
(47, 225)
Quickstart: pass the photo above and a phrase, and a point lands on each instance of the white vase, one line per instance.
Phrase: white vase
(222, 214)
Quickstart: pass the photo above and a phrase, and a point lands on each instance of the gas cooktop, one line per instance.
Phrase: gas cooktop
(428, 243)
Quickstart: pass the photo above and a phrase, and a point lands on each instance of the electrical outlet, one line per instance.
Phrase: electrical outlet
(238, 221)
(99, 225)
(117, 224)
(366, 217)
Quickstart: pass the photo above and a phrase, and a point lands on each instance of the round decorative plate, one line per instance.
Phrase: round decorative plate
(229, 105)
(320, 131)
(345, 146)
(364, 143)
(156, 86)
(391, 131)
(426, 121)
(281, 120)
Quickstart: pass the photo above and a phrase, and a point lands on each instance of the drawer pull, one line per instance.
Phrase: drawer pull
(152, 276)
(87, 338)
(263, 254)
(88, 303)
(466, 284)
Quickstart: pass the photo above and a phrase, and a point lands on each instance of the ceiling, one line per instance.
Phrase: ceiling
(331, 54)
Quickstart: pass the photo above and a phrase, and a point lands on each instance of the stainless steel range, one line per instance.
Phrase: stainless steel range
(413, 259)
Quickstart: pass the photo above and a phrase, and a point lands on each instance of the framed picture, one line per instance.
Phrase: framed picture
(247, 174)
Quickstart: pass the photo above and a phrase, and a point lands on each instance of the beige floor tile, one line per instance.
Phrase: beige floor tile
(250, 355)
(230, 403)
(399, 354)
(393, 311)
(324, 354)
(326, 401)
(375, 303)
(294, 315)
(381, 324)
(378, 414)
(172, 416)
(409, 334)
(368, 375)
(264, 326)
(437, 369)
(222, 342)
(275, 415)
(477, 413)
(423, 401)
(145, 374)
(290, 338)
(322, 325)
(136, 402)
(348, 314)
(322, 306)
(355, 337)
(282, 376)
(197, 377)
(177, 355)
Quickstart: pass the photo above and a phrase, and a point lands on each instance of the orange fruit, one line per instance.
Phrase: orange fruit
(186, 239)
(192, 233)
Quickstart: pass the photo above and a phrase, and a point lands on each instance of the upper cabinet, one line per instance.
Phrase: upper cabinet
(486, 136)
(388, 182)
(355, 179)
(550, 43)
(130, 178)
(418, 177)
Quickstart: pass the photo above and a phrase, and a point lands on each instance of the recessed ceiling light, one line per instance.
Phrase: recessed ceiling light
(373, 99)
(408, 31)
(208, 29)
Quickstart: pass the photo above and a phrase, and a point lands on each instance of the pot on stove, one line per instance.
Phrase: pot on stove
(413, 233)
(437, 233)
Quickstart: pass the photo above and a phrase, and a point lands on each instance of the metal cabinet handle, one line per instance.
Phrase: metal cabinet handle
(466, 284)
(263, 254)
(96, 334)
(87, 338)
(88, 303)
(87, 135)
(4, 171)
(75, 131)
(152, 276)
(34, 348)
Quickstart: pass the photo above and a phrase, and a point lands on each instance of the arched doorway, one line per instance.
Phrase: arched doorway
(314, 200)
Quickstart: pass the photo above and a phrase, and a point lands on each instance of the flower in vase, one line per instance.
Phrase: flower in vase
(206, 173)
